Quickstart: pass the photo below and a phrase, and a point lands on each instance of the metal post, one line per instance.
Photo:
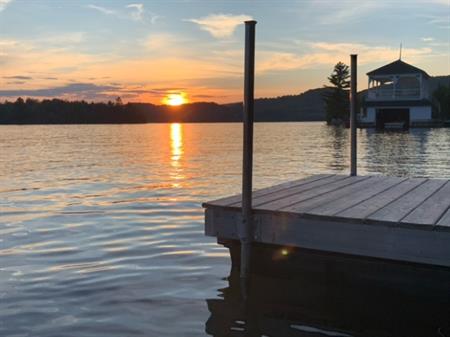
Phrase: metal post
(249, 81)
(353, 98)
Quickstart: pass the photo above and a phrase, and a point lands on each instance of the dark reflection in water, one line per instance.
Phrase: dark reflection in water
(306, 307)
(416, 152)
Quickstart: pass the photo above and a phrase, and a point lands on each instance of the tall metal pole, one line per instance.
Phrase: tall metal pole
(353, 99)
(249, 81)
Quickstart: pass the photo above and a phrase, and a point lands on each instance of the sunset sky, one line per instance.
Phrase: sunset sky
(146, 50)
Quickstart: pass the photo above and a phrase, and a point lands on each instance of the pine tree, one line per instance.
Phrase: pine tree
(336, 99)
(441, 97)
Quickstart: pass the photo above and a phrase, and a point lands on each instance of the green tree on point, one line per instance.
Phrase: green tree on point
(336, 99)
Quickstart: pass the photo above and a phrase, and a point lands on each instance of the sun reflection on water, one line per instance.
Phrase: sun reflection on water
(176, 150)
(176, 142)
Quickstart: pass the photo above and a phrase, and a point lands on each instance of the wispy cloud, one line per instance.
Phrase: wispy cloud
(138, 11)
(427, 39)
(60, 91)
(220, 25)
(18, 77)
(135, 12)
(345, 11)
(325, 53)
(91, 91)
(4, 3)
(102, 10)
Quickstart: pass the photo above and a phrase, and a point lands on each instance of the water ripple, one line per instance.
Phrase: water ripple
(101, 228)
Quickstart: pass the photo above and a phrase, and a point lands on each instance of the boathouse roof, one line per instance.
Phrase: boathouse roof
(397, 67)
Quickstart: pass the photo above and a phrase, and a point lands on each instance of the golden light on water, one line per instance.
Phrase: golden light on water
(176, 141)
(175, 99)
(176, 154)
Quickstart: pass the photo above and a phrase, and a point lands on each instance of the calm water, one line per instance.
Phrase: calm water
(101, 228)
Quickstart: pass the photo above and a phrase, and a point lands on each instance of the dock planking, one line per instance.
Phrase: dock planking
(237, 198)
(408, 203)
(304, 196)
(406, 219)
(371, 205)
(294, 190)
(432, 209)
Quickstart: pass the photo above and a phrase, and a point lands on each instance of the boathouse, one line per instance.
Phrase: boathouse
(397, 96)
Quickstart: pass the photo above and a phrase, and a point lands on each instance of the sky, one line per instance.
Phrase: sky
(143, 51)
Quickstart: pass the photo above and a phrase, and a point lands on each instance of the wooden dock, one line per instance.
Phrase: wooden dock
(398, 219)
(297, 225)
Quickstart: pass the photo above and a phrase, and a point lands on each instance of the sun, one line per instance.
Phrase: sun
(175, 99)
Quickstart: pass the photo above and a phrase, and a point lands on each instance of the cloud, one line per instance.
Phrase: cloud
(136, 12)
(18, 77)
(344, 11)
(90, 91)
(220, 25)
(102, 9)
(81, 89)
(325, 53)
(427, 39)
(4, 3)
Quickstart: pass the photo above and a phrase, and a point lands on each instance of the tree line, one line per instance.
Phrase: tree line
(57, 111)
(307, 106)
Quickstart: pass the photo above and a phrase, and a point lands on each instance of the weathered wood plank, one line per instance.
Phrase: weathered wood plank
(444, 221)
(374, 240)
(307, 195)
(432, 209)
(356, 197)
(397, 210)
(238, 197)
(286, 192)
(371, 205)
(344, 192)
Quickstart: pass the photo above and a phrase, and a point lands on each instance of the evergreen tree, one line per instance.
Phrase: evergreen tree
(441, 97)
(336, 99)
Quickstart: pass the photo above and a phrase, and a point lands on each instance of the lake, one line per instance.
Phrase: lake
(101, 226)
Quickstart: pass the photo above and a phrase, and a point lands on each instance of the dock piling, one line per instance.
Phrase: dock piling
(249, 81)
(353, 98)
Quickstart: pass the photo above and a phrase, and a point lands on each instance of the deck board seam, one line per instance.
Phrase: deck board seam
(300, 192)
(337, 188)
(396, 199)
(421, 203)
(440, 218)
(345, 195)
(364, 217)
(300, 183)
(443, 213)
(373, 196)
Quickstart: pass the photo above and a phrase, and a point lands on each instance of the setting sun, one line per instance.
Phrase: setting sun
(175, 99)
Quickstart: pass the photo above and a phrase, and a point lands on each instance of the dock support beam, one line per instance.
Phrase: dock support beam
(353, 99)
(249, 81)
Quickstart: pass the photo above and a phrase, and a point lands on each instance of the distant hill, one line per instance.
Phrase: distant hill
(307, 106)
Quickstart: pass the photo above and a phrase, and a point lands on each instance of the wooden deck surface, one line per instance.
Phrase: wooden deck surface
(405, 219)
(370, 199)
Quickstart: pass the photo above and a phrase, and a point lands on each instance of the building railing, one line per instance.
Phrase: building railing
(390, 94)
